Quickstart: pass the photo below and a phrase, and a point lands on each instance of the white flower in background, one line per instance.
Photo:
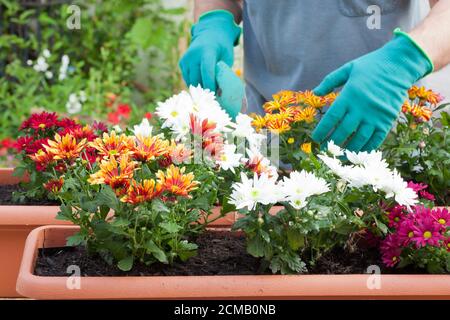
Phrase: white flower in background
(41, 64)
(73, 105)
(334, 149)
(82, 96)
(301, 185)
(48, 74)
(144, 129)
(64, 66)
(229, 159)
(117, 128)
(46, 53)
(29, 62)
(249, 192)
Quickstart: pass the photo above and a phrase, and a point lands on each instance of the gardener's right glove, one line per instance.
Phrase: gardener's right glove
(213, 39)
(375, 87)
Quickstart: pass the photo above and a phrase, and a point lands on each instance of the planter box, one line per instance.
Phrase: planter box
(215, 287)
(16, 222)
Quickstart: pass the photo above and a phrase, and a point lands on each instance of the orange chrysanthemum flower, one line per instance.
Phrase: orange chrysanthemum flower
(258, 122)
(306, 147)
(406, 107)
(315, 101)
(42, 158)
(115, 174)
(330, 98)
(149, 148)
(178, 152)
(54, 185)
(65, 148)
(176, 182)
(277, 124)
(308, 115)
(420, 112)
(258, 165)
(141, 192)
(113, 145)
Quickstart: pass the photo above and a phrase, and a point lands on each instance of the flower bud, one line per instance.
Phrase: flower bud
(422, 144)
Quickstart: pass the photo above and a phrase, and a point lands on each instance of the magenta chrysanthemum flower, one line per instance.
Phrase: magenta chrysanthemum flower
(426, 195)
(406, 231)
(446, 244)
(390, 250)
(427, 231)
(442, 216)
(395, 216)
(417, 186)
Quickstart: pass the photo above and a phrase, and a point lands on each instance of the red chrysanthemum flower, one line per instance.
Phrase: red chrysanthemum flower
(99, 126)
(23, 142)
(67, 123)
(54, 185)
(114, 117)
(124, 110)
(40, 121)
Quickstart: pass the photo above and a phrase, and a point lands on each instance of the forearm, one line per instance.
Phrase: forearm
(234, 6)
(433, 34)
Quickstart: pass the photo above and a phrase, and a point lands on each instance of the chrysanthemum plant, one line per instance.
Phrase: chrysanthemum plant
(46, 147)
(418, 146)
(140, 195)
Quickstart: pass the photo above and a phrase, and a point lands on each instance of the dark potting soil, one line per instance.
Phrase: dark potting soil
(219, 253)
(6, 198)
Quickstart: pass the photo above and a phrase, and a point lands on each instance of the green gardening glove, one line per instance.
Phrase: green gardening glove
(230, 90)
(213, 39)
(375, 87)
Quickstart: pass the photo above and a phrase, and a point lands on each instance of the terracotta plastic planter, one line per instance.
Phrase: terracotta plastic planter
(16, 222)
(215, 287)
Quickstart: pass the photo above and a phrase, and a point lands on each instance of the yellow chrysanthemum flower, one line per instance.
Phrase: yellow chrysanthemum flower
(306, 147)
(115, 174)
(258, 122)
(291, 140)
(141, 192)
(65, 148)
(112, 145)
(308, 115)
(277, 124)
(176, 182)
(149, 148)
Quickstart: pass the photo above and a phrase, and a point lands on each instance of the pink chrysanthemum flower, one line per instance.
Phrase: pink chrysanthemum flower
(395, 216)
(406, 231)
(427, 231)
(442, 216)
(390, 250)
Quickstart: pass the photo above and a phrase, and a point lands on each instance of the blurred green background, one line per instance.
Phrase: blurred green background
(114, 66)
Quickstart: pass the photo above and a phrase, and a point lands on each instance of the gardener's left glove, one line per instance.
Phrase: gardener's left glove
(375, 87)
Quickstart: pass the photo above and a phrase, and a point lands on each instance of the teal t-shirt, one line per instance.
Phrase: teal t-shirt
(294, 44)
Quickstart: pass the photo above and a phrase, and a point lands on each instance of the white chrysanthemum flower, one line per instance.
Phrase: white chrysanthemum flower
(41, 65)
(175, 110)
(144, 129)
(395, 186)
(301, 185)
(334, 149)
(249, 192)
(229, 159)
(244, 131)
(365, 158)
(205, 106)
(46, 53)
(334, 164)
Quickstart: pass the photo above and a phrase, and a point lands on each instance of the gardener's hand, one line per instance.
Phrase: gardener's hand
(213, 39)
(375, 87)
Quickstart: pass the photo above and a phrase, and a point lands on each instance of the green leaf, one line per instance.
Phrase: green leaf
(380, 225)
(126, 264)
(159, 206)
(170, 227)
(120, 222)
(75, 240)
(295, 239)
(108, 198)
(255, 247)
(151, 247)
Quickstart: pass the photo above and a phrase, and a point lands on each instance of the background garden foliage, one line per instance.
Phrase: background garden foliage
(127, 50)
